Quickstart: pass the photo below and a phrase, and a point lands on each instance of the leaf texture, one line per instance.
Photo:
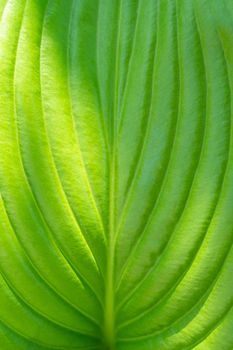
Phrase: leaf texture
(116, 174)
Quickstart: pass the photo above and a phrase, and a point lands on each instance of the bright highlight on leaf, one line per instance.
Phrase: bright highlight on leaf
(116, 174)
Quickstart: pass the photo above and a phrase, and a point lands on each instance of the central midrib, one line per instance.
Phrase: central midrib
(109, 321)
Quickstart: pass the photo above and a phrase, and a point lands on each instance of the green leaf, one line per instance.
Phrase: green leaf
(116, 174)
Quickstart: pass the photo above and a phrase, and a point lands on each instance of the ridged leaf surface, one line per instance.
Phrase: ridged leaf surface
(116, 174)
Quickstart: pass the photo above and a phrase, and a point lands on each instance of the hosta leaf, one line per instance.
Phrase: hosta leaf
(116, 174)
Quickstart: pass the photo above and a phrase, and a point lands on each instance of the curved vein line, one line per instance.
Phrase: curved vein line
(109, 310)
(212, 329)
(34, 197)
(33, 340)
(44, 280)
(198, 341)
(206, 294)
(39, 343)
(16, 292)
(170, 238)
(219, 322)
(222, 318)
(88, 182)
(123, 99)
(173, 232)
(107, 142)
(212, 285)
(143, 143)
(58, 176)
(15, 334)
(102, 121)
(98, 84)
(163, 182)
(78, 272)
(199, 301)
(42, 347)
(201, 242)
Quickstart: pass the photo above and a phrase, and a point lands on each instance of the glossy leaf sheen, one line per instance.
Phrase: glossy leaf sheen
(116, 174)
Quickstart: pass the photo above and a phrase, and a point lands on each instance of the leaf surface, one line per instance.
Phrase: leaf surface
(116, 174)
